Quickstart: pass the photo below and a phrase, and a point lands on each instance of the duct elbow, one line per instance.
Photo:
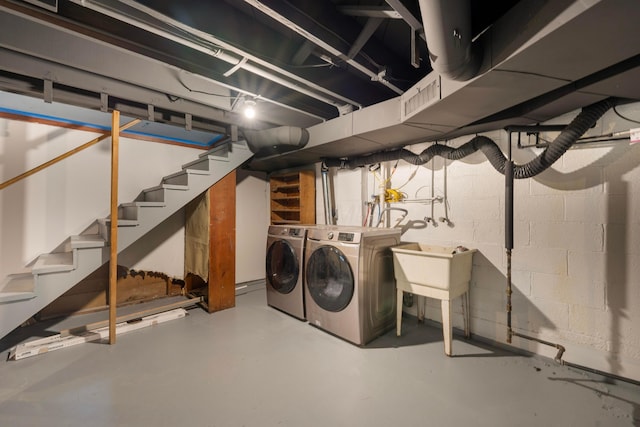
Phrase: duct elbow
(447, 27)
(278, 140)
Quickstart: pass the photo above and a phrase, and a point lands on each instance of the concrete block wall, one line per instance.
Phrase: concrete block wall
(575, 269)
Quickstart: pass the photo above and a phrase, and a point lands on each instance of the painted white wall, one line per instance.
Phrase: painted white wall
(575, 272)
(252, 223)
(40, 212)
(346, 198)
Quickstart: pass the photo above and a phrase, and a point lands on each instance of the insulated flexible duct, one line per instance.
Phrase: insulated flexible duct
(586, 119)
(278, 140)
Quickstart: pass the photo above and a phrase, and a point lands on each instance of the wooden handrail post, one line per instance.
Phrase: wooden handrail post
(113, 260)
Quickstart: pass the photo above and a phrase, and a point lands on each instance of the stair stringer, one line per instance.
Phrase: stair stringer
(23, 295)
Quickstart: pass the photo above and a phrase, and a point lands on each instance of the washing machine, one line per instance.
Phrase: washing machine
(349, 281)
(285, 268)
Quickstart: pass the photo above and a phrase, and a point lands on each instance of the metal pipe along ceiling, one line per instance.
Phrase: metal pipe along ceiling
(321, 43)
(208, 44)
(447, 27)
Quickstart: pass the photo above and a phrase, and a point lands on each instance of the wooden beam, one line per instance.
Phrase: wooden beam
(222, 244)
(113, 266)
(132, 316)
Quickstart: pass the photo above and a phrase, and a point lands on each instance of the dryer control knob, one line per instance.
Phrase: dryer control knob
(330, 235)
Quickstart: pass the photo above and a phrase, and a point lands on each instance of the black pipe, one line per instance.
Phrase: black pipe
(583, 121)
(508, 205)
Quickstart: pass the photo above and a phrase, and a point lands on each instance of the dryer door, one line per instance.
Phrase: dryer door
(330, 278)
(282, 266)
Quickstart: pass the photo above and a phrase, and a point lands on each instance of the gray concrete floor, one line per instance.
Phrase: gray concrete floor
(255, 366)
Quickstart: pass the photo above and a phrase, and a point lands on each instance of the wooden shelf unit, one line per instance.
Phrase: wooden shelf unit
(293, 197)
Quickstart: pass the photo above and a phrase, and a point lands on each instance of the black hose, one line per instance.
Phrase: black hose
(583, 121)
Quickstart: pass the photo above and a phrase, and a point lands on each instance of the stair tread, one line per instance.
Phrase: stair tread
(87, 241)
(122, 222)
(186, 172)
(16, 296)
(168, 187)
(144, 204)
(18, 283)
(221, 151)
(54, 262)
(204, 158)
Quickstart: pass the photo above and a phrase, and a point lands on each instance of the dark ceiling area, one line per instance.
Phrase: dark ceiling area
(358, 52)
(357, 73)
(359, 35)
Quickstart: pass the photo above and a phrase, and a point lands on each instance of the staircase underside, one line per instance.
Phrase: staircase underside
(52, 274)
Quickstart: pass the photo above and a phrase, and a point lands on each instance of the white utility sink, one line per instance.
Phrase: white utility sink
(439, 272)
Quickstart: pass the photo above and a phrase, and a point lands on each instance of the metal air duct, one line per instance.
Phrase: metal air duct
(447, 27)
(278, 140)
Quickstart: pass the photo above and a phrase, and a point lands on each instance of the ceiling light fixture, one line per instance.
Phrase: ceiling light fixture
(249, 108)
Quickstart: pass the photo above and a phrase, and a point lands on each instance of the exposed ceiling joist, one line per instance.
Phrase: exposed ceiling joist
(370, 11)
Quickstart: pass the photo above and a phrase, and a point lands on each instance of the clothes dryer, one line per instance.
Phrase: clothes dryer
(285, 268)
(350, 287)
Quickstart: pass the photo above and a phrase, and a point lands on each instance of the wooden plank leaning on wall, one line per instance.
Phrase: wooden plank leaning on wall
(210, 244)
(222, 244)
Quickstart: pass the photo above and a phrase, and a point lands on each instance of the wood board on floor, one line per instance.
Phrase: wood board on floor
(57, 342)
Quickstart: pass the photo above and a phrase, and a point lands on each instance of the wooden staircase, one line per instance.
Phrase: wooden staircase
(52, 274)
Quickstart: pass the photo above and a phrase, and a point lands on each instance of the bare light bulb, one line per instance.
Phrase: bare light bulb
(250, 110)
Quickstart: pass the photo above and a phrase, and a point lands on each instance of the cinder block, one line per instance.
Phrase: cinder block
(485, 303)
(521, 233)
(487, 255)
(586, 267)
(539, 208)
(492, 232)
(489, 231)
(535, 314)
(484, 208)
(568, 290)
(591, 209)
(459, 233)
(622, 239)
(589, 321)
(487, 277)
(622, 176)
(588, 181)
(493, 329)
(584, 160)
(622, 278)
(491, 184)
(541, 260)
(567, 235)
(458, 186)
